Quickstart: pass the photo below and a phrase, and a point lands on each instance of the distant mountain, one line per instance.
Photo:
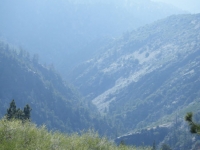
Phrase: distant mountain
(66, 32)
(148, 77)
(53, 102)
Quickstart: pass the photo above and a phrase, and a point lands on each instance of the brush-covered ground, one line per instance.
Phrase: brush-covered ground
(15, 135)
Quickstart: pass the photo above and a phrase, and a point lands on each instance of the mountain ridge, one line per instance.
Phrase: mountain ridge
(53, 102)
(129, 78)
(66, 28)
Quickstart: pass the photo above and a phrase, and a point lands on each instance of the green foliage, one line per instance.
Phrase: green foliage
(11, 111)
(14, 113)
(27, 112)
(56, 104)
(194, 127)
(188, 117)
(15, 135)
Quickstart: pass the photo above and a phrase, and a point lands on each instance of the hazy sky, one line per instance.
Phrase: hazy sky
(192, 6)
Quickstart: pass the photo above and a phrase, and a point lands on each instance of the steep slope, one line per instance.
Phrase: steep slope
(53, 102)
(147, 74)
(60, 31)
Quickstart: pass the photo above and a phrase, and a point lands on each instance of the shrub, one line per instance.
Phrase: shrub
(15, 135)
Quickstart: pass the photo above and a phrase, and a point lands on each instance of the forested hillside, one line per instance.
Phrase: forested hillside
(53, 102)
(131, 74)
(148, 77)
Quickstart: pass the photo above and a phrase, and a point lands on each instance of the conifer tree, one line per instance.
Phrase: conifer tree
(27, 112)
(11, 111)
(14, 113)
(194, 127)
(19, 114)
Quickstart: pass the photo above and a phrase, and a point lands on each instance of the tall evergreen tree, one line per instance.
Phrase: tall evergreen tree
(11, 111)
(19, 114)
(14, 113)
(27, 112)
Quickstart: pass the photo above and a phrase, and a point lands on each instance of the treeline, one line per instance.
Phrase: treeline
(16, 113)
(56, 104)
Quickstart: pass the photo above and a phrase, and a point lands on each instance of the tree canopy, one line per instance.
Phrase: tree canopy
(14, 113)
(194, 127)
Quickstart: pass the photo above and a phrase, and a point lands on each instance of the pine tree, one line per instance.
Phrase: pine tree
(194, 127)
(14, 113)
(27, 112)
(19, 114)
(11, 111)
